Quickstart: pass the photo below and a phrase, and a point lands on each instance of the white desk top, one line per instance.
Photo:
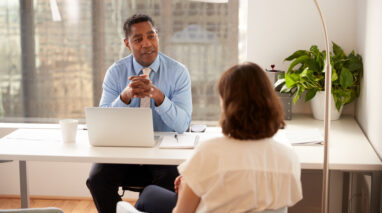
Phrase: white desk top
(349, 148)
(82, 151)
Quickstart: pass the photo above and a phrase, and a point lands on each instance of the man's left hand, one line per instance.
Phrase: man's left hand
(156, 94)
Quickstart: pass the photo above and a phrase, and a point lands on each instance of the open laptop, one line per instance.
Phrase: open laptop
(120, 126)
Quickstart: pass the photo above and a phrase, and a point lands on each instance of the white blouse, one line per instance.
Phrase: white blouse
(231, 175)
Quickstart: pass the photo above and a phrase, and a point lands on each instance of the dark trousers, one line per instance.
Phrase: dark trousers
(155, 199)
(105, 179)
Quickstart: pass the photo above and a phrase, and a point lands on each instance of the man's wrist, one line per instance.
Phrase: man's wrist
(124, 100)
(159, 99)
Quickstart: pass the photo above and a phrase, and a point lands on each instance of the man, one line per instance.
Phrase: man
(167, 84)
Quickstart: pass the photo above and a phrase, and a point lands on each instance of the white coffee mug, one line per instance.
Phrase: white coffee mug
(69, 130)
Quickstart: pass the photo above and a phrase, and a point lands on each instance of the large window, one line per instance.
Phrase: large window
(53, 67)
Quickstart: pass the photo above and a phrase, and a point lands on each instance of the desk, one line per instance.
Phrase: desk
(349, 151)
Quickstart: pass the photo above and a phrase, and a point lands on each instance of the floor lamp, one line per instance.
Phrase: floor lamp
(328, 86)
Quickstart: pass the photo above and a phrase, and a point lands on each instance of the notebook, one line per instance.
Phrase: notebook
(120, 126)
(297, 137)
(179, 141)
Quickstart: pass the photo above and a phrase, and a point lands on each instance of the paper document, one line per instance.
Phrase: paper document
(35, 135)
(179, 141)
(305, 137)
(41, 135)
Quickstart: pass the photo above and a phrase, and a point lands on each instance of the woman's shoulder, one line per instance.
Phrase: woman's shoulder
(281, 146)
(212, 142)
(283, 154)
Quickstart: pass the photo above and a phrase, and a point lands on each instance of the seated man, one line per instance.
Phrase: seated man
(146, 78)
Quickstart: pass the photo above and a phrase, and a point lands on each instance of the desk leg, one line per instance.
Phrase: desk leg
(376, 187)
(346, 191)
(24, 191)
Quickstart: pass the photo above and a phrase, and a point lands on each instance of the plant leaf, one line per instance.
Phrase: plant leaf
(304, 73)
(291, 79)
(346, 78)
(338, 51)
(357, 91)
(314, 49)
(296, 54)
(300, 90)
(298, 60)
(355, 62)
(347, 95)
(334, 74)
(337, 99)
(285, 89)
(338, 104)
(313, 64)
(310, 94)
(279, 84)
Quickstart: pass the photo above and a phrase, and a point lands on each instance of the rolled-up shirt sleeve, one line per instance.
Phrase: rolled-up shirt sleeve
(111, 89)
(176, 112)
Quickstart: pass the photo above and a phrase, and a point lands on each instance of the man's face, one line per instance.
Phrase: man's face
(143, 43)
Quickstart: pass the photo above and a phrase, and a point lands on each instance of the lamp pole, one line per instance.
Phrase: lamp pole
(328, 86)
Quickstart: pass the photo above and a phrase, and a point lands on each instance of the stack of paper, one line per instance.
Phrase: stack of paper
(53, 135)
(179, 141)
(298, 137)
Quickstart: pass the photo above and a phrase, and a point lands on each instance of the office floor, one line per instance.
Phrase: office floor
(68, 206)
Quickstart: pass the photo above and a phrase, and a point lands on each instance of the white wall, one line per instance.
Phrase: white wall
(47, 179)
(369, 105)
(277, 28)
(58, 179)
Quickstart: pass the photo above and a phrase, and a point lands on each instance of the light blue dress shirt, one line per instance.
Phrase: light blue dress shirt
(171, 77)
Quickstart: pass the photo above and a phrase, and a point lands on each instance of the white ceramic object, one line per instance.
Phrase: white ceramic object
(69, 130)
(318, 107)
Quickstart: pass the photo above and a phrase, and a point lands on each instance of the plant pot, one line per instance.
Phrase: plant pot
(318, 107)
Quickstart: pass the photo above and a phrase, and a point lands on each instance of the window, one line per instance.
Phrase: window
(54, 69)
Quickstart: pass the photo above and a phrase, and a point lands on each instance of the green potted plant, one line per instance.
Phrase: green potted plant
(306, 74)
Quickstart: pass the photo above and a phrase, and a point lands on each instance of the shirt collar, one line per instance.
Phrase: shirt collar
(154, 66)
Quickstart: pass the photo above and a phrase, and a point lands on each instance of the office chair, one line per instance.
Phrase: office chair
(33, 210)
(126, 207)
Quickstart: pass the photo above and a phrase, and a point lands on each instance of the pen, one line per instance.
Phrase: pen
(176, 138)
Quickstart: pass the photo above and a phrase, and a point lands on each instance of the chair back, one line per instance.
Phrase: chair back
(126, 207)
(33, 210)
(280, 210)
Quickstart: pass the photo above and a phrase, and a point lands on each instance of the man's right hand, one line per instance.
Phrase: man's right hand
(139, 87)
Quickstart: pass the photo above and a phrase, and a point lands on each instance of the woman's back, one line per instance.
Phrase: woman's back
(238, 176)
(245, 171)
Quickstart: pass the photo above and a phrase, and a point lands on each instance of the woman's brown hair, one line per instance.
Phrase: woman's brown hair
(251, 108)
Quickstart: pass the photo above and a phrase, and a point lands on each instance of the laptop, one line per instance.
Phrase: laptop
(132, 127)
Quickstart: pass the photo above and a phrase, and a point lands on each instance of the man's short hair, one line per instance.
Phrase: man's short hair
(251, 107)
(134, 19)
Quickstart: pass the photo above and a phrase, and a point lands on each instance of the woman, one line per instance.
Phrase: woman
(244, 171)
